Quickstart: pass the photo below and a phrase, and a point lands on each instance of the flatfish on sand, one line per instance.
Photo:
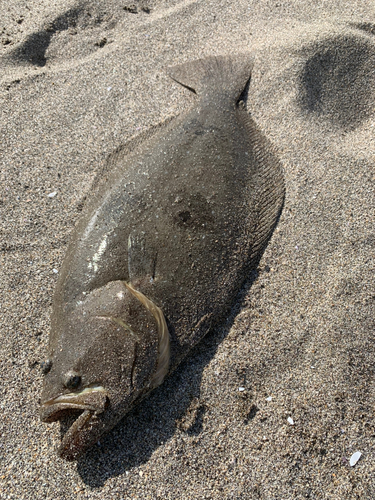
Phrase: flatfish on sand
(160, 253)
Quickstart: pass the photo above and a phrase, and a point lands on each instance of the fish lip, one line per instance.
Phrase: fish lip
(93, 399)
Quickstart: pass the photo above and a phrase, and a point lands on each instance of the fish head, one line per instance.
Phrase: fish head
(104, 355)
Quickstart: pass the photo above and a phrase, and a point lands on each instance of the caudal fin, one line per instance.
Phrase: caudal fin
(215, 74)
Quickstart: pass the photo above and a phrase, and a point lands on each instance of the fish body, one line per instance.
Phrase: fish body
(160, 253)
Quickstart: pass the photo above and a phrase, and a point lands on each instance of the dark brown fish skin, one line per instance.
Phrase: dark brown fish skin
(183, 219)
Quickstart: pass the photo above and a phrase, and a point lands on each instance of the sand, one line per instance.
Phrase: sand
(275, 401)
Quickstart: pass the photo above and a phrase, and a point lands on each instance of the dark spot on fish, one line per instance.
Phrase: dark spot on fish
(195, 212)
(185, 216)
(71, 380)
(46, 366)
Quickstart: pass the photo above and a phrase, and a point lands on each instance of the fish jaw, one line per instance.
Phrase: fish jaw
(87, 427)
(73, 443)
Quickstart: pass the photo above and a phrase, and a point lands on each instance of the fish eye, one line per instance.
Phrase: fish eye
(71, 380)
(46, 366)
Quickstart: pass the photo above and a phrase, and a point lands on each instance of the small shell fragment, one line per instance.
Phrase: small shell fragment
(290, 421)
(354, 458)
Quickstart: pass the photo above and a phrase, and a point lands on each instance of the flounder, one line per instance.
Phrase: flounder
(160, 253)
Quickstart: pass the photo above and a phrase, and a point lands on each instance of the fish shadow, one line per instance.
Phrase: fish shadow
(173, 407)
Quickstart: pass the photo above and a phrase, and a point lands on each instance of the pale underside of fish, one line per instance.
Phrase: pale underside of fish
(160, 253)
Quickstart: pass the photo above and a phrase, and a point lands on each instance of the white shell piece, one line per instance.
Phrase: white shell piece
(354, 458)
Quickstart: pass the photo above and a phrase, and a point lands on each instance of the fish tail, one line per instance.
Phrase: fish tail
(215, 75)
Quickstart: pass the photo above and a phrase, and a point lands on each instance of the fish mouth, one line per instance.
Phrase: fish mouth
(92, 399)
(80, 408)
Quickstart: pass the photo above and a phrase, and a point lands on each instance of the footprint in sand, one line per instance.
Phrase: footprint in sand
(77, 33)
(338, 78)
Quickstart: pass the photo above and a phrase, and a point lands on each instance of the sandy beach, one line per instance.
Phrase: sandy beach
(273, 404)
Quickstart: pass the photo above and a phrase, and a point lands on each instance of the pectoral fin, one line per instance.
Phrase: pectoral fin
(141, 258)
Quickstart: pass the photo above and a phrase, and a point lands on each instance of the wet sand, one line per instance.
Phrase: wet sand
(275, 401)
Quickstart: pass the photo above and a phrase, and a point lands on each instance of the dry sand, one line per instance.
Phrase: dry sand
(78, 79)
